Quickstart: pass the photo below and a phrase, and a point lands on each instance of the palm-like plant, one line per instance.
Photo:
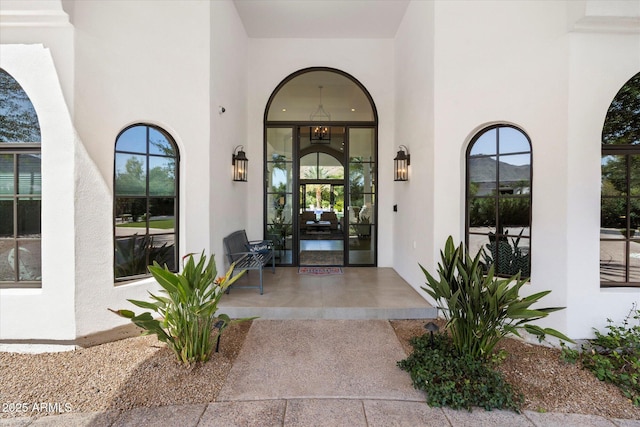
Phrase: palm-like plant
(187, 309)
(480, 309)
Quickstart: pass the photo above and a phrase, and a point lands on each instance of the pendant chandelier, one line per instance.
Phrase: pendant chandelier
(320, 134)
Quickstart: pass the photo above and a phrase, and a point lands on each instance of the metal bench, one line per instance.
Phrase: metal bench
(238, 250)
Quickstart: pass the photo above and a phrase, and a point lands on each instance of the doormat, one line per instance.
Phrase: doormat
(321, 258)
(320, 271)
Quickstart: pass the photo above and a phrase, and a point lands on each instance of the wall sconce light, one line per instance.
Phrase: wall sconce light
(401, 164)
(239, 161)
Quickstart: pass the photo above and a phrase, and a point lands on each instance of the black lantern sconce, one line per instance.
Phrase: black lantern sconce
(401, 164)
(239, 161)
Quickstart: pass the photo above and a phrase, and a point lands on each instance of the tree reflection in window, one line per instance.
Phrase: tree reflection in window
(145, 185)
(20, 187)
(620, 189)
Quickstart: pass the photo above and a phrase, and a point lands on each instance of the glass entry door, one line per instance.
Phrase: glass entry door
(361, 207)
(321, 234)
(331, 217)
(321, 231)
(279, 196)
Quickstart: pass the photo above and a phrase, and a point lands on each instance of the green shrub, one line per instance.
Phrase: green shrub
(481, 309)
(613, 357)
(187, 310)
(455, 379)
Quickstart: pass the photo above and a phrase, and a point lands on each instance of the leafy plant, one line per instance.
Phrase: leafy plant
(613, 357)
(479, 308)
(455, 379)
(507, 256)
(131, 255)
(187, 309)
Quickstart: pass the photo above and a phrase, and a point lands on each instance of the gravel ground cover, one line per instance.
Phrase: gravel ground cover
(142, 372)
(120, 375)
(548, 383)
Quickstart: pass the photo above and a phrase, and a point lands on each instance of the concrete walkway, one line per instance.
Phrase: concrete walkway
(318, 373)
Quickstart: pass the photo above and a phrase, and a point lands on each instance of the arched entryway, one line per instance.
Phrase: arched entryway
(320, 142)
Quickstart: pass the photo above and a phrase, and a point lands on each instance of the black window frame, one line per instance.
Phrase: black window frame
(621, 138)
(20, 135)
(519, 255)
(146, 239)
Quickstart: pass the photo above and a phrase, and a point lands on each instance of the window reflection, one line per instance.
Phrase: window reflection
(6, 174)
(499, 199)
(29, 177)
(131, 174)
(620, 188)
(511, 140)
(133, 140)
(159, 144)
(146, 205)
(18, 118)
(6, 213)
(162, 176)
(486, 144)
(20, 187)
(612, 261)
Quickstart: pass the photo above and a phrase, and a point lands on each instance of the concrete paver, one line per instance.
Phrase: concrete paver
(258, 413)
(397, 413)
(287, 359)
(325, 413)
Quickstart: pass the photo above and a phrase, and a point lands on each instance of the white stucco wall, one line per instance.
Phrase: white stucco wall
(413, 223)
(46, 313)
(152, 67)
(492, 62)
(370, 62)
(42, 22)
(517, 63)
(229, 200)
(599, 65)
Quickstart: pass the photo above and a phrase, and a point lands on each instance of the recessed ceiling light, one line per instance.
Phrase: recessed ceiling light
(353, 109)
(284, 110)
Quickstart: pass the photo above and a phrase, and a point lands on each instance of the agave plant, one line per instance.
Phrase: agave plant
(480, 309)
(187, 308)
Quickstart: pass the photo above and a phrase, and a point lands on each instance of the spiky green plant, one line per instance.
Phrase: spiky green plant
(480, 309)
(187, 310)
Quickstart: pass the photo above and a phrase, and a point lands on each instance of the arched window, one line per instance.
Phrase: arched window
(20, 187)
(620, 189)
(498, 202)
(145, 201)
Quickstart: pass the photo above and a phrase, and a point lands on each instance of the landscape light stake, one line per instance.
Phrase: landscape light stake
(431, 327)
(219, 324)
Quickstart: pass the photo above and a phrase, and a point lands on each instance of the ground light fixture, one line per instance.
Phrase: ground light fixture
(431, 327)
(239, 161)
(401, 164)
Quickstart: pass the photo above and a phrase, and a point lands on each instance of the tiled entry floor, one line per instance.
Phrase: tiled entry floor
(359, 293)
